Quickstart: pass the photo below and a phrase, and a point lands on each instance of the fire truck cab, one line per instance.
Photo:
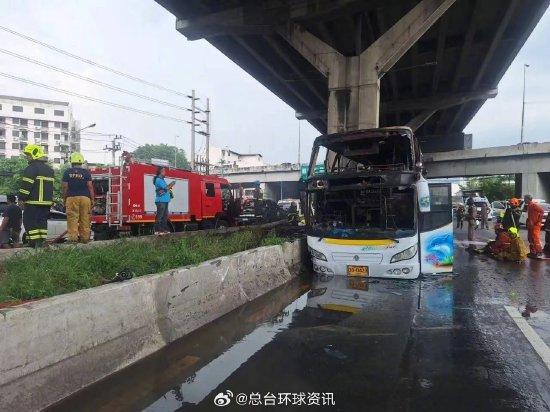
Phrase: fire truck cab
(125, 200)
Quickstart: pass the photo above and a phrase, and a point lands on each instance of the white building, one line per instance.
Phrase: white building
(227, 158)
(44, 122)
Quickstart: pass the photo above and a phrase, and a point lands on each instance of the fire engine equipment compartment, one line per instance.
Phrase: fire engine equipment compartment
(367, 189)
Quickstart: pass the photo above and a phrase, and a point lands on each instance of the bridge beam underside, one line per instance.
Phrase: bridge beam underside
(535, 163)
(354, 81)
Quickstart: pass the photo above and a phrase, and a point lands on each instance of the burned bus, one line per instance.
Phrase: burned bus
(370, 212)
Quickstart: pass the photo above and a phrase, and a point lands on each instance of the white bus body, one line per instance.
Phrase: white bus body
(364, 220)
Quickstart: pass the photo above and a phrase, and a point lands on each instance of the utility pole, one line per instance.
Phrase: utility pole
(204, 162)
(193, 125)
(299, 141)
(115, 147)
(207, 136)
(523, 103)
(175, 150)
(194, 110)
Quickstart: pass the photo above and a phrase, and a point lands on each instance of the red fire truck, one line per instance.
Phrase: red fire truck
(125, 200)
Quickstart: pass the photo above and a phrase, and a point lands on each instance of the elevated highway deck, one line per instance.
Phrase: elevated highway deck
(432, 63)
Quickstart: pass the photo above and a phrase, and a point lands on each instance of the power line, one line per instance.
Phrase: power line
(94, 140)
(97, 133)
(130, 140)
(88, 61)
(93, 99)
(89, 79)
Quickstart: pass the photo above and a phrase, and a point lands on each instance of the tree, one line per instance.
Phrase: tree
(497, 187)
(162, 151)
(10, 174)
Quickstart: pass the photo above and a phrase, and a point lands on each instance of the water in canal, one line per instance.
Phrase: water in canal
(336, 343)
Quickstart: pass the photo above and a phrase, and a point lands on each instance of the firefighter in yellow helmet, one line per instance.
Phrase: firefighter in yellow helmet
(36, 194)
(78, 195)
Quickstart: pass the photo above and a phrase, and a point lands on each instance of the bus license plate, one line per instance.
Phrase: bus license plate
(360, 271)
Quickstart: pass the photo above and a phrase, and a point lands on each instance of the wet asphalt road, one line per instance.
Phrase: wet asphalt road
(436, 343)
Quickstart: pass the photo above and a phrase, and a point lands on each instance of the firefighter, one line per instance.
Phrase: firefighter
(512, 214)
(78, 195)
(535, 213)
(460, 214)
(517, 252)
(501, 243)
(36, 194)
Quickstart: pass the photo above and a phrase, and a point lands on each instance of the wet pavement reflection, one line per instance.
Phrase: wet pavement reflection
(435, 343)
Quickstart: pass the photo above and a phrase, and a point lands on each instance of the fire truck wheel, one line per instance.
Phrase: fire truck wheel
(171, 227)
(221, 223)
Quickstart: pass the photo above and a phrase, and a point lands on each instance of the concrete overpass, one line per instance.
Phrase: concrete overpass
(529, 162)
(277, 181)
(348, 64)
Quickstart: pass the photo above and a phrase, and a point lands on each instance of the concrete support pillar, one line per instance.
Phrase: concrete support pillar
(354, 81)
(536, 185)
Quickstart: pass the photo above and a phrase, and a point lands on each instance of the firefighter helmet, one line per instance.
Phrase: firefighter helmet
(513, 231)
(34, 151)
(76, 158)
(514, 202)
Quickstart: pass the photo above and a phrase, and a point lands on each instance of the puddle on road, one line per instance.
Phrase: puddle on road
(186, 371)
(385, 343)
(329, 326)
(207, 378)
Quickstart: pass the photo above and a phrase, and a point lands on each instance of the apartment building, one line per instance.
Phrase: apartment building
(45, 122)
(227, 158)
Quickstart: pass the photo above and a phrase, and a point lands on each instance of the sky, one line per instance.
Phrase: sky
(139, 37)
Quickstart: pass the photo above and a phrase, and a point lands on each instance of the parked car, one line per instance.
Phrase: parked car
(478, 202)
(57, 224)
(3, 203)
(498, 207)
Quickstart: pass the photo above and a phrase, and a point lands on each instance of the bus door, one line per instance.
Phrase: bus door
(436, 231)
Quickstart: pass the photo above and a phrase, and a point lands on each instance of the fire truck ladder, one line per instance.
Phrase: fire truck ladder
(113, 202)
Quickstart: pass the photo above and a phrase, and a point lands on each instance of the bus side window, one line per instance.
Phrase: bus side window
(441, 208)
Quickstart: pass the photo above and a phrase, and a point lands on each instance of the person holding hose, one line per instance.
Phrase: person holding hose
(163, 195)
(78, 194)
(535, 214)
(36, 194)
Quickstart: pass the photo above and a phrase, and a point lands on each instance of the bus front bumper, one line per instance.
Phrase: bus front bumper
(400, 270)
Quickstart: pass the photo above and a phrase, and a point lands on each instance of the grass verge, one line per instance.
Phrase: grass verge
(54, 272)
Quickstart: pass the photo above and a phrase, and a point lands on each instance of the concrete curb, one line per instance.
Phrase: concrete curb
(54, 347)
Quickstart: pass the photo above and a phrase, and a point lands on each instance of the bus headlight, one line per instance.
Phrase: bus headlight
(316, 254)
(404, 255)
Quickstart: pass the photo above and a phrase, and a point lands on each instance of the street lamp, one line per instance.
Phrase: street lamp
(84, 128)
(73, 134)
(525, 66)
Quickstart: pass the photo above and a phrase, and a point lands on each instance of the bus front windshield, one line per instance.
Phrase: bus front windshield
(366, 213)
